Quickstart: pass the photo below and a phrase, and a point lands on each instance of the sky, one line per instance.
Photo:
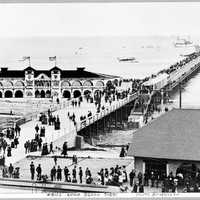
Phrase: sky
(103, 19)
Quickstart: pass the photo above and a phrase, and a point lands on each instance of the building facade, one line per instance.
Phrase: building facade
(53, 83)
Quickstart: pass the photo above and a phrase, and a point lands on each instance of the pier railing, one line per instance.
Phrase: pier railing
(70, 135)
(184, 76)
(107, 111)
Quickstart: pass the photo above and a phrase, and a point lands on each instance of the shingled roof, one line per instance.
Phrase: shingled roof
(174, 135)
(78, 73)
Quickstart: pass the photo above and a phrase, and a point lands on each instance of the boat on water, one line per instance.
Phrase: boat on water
(127, 59)
(183, 43)
(187, 55)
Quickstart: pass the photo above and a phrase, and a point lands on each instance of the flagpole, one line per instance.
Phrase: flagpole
(29, 59)
(55, 61)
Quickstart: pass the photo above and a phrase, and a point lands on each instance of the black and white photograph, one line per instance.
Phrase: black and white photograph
(99, 99)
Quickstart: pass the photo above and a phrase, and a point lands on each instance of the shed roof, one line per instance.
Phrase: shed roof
(156, 79)
(174, 135)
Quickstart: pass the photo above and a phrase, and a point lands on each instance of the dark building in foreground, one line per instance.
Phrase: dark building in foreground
(32, 83)
(170, 142)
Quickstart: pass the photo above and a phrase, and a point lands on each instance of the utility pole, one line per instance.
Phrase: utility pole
(180, 96)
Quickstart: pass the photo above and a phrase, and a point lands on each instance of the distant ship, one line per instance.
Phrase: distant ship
(183, 43)
(127, 59)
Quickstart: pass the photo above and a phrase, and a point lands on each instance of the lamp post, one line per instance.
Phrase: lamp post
(180, 96)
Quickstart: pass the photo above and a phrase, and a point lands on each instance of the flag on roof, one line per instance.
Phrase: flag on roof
(52, 58)
(26, 58)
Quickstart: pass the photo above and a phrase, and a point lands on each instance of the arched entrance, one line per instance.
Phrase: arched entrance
(37, 94)
(66, 94)
(0, 94)
(48, 94)
(8, 94)
(42, 94)
(18, 94)
(87, 92)
(77, 93)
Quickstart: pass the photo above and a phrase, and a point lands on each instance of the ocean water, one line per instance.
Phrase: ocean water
(99, 54)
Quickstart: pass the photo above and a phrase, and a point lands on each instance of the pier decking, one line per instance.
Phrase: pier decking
(174, 79)
(56, 186)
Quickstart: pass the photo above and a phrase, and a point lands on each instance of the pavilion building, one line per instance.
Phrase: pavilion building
(169, 143)
(32, 83)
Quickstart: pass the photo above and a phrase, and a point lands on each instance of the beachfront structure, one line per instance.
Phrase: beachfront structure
(53, 83)
(170, 143)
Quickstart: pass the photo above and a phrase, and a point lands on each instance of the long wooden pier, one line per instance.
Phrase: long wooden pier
(175, 79)
(116, 114)
(55, 187)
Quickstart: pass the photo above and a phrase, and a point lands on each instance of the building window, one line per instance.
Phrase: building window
(29, 83)
(55, 83)
(29, 94)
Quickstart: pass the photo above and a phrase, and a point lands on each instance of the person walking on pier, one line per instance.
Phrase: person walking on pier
(80, 174)
(16, 142)
(86, 172)
(4, 146)
(53, 174)
(122, 153)
(66, 173)
(32, 170)
(37, 128)
(135, 188)
(64, 152)
(51, 147)
(9, 151)
(39, 172)
(40, 143)
(29, 146)
(59, 173)
(10, 170)
(131, 177)
(140, 178)
(74, 180)
(26, 147)
(152, 179)
(55, 160)
(102, 176)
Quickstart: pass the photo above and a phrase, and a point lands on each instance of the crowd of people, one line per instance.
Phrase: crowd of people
(10, 172)
(9, 139)
(59, 174)
(181, 63)
(115, 176)
(77, 102)
(50, 119)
